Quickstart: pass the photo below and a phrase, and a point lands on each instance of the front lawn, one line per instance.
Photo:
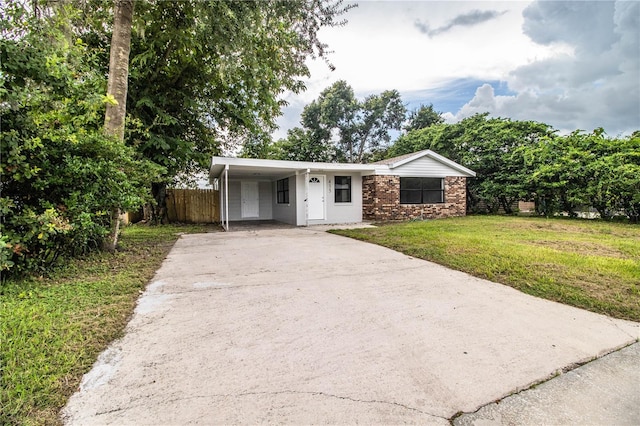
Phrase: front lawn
(52, 329)
(589, 264)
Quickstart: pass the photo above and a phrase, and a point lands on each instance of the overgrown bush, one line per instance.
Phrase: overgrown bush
(60, 174)
(525, 160)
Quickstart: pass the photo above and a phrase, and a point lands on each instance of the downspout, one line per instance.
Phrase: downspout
(226, 195)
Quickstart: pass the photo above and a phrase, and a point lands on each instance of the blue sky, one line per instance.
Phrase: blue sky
(573, 65)
(452, 95)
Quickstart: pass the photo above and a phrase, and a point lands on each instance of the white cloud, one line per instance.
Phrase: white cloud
(569, 64)
(596, 86)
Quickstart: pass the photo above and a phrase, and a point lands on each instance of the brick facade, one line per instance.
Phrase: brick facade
(381, 200)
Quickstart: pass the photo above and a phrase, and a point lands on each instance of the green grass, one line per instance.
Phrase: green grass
(52, 329)
(589, 264)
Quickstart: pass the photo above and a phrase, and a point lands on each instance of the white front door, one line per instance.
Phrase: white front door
(316, 197)
(250, 199)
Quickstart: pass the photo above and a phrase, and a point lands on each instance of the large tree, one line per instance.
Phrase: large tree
(60, 175)
(338, 127)
(422, 117)
(204, 75)
(492, 147)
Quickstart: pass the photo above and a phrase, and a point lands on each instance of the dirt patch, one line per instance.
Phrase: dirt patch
(587, 248)
(575, 227)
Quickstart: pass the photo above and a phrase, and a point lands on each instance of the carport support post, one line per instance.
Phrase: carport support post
(306, 197)
(226, 196)
(221, 202)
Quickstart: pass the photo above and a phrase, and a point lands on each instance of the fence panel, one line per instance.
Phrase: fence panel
(193, 205)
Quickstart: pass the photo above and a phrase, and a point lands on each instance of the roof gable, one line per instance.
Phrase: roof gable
(397, 162)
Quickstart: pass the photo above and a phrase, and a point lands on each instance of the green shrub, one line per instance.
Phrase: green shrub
(61, 176)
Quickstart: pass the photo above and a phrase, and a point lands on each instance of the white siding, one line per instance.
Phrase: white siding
(285, 212)
(424, 167)
(265, 200)
(336, 212)
(344, 212)
(234, 200)
(301, 197)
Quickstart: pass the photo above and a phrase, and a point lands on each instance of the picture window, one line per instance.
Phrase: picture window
(414, 190)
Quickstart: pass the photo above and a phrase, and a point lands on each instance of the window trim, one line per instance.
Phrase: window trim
(335, 189)
(422, 190)
(282, 188)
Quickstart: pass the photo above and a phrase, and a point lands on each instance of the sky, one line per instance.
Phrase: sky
(571, 64)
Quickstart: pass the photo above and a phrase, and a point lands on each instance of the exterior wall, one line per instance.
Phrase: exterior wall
(266, 200)
(235, 212)
(334, 212)
(265, 196)
(381, 200)
(301, 196)
(342, 212)
(285, 212)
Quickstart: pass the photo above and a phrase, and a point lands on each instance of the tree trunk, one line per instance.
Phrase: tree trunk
(506, 204)
(117, 87)
(159, 214)
(119, 68)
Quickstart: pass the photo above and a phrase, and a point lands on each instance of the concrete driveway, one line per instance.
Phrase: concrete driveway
(299, 326)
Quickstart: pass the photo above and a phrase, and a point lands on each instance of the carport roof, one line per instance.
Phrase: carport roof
(257, 168)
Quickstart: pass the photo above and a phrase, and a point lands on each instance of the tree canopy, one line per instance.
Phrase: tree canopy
(60, 174)
(200, 74)
(203, 70)
(339, 127)
(526, 160)
(424, 116)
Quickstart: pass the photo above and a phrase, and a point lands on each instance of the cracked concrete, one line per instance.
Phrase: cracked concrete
(605, 391)
(299, 326)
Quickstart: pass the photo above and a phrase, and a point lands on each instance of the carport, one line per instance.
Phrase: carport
(298, 193)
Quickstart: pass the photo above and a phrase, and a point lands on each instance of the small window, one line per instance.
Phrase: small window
(421, 190)
(282, 191)
(343, 189)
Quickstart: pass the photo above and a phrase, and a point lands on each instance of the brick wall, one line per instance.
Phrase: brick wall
(381, 200)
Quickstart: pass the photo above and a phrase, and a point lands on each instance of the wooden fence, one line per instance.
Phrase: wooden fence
(193, 205)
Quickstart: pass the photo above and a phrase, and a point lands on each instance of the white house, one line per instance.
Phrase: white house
(419, 185)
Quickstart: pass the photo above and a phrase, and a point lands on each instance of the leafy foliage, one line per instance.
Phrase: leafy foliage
(201, 73)
(492, 147)
(202, 70)
(517, 160)
(423, 117)
(60, 174)
(339, 127)
(205, 75)
(587, 170)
